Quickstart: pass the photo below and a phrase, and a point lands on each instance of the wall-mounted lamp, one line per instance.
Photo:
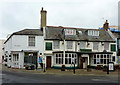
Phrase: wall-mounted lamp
(102, 43)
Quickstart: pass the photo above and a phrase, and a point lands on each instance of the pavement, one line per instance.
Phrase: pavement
(66, 72)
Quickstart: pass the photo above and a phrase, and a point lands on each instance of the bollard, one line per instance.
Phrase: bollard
(108, 69)
(44, 68)
(74, 69)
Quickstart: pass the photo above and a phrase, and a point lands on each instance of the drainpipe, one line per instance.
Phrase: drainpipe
(44, 67)
(64, 46)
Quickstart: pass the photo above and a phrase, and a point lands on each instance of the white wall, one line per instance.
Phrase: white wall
(17, 43)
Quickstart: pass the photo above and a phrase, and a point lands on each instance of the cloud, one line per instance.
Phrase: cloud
(18, 14)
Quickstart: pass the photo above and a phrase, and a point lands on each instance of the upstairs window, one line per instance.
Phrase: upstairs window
(69, 44)
(93, 33)
(56, 44)
(82, 45)
(48, 45)
(106, 46)
(31, 41)
(95, 45)
(113, 47)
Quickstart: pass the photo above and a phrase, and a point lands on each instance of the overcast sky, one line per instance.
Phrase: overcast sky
(16, 15)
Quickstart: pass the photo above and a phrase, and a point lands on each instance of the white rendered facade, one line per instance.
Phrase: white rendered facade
(17, 45)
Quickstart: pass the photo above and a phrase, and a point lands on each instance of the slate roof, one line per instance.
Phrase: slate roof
(55, 33)
(29, 32)
(36, 32)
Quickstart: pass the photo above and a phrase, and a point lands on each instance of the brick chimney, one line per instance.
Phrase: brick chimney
(43, 18)
(106, 25)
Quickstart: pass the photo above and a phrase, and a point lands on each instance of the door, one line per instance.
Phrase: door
(85, 62)
(48, 61)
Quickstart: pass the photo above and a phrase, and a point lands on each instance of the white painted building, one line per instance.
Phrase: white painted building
(87, 46)
(20, 45)
(1, 49)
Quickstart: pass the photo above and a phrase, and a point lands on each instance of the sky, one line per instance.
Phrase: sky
(16, 15)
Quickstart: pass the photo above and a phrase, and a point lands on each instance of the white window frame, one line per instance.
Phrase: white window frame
(96, 44)
(56, 44)
(30, 41)
(69, 44)
(82, 45)
(110, 59)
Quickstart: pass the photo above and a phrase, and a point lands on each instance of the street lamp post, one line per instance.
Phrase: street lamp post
(74, 65)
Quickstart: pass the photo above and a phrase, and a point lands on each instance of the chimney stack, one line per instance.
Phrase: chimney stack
(106, 25)
(43, 18)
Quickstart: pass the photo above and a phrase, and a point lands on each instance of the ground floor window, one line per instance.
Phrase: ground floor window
(15, 57)
(30, 57)
(101, 58)
(59, 58)
(69, 58)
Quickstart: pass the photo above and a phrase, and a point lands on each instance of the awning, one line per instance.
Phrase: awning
(83, 52)
(29, 50)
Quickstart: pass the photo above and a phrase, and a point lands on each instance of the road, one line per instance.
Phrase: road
(21, 77)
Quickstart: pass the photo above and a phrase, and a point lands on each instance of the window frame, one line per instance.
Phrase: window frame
(46, 48)
(31, 42)
(69, 44)
(56, 44)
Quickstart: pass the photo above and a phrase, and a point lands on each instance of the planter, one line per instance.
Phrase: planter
(89, 70)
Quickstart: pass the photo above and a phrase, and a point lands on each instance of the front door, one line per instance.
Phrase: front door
(48, 61)
(85, 62)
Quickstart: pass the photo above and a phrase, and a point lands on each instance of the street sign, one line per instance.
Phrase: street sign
(111, 66)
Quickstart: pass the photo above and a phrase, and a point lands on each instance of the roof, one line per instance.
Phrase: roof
(55, 33)
(36, 32)
(29, 32)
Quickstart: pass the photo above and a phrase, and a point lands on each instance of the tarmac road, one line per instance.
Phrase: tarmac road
(21, 77)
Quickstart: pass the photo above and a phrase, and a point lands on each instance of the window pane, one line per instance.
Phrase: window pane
(104, 56)
(104, 61)
(31, 41)
(69, 60)
(95, 45)
(97, 56)
(106, 46)
(101, 56)
(48, 46)
(113, 47)
(82, 45)
(69, 44)
(94, 61)
(113, 58)
(65, 60)
(94, 56)
(101, 61)
(56, 44)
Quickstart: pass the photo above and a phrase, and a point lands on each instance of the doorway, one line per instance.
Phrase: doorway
(85, 62)
(48, 61)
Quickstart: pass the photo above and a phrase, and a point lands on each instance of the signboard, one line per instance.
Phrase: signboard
(31, 54)
(70, 32)
(111, 66)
